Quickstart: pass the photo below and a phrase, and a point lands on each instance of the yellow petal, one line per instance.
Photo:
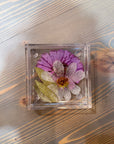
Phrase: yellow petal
(41, 95)
(47, 76)
(46, 91)
(39, 72)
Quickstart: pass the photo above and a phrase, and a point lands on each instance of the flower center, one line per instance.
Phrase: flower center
(62, 82)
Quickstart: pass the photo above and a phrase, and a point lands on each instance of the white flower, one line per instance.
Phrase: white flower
(65, 79)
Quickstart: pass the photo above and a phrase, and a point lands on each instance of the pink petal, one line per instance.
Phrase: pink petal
(71, 84)
(71, 69)
(78, 76)
(76, 90)
(47, 58)
(44, 67)
(80, 66)
(58, 68)
(43, 62)
(60, 54)
(52, 55)
(66, 56)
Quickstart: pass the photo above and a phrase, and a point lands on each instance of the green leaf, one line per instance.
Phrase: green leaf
(46, 91)
(39, 72)
(41, 95)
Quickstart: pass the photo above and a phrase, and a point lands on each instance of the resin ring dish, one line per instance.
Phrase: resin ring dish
(58, 76)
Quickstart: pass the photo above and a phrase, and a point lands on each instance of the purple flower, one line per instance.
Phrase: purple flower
(65, 57)
(64, 70)
(67, 77)
(65, 80)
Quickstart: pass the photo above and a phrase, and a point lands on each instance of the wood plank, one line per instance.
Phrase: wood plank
(55, 21)
(37, 15)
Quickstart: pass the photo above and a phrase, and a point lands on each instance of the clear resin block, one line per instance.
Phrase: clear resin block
(58, 76)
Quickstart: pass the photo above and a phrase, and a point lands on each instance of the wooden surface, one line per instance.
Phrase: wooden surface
(55, 21)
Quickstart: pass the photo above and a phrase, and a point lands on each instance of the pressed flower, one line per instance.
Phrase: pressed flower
(66, 79)
(58, 76)
(61, 72)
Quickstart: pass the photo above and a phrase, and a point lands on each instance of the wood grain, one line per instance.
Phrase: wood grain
(55, 21)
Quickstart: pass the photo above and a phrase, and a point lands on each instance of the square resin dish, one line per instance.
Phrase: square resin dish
(58, 76)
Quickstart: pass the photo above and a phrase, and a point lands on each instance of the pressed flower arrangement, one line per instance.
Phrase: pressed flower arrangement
(58, 76)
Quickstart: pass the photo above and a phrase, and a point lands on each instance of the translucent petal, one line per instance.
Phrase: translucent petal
(58, 68)
(76, 90)
(78, 76)
(71, 84)
(67, 95)
(64, 95)
(46, 76)
(71, 69)
(61, 94)
(79, 96)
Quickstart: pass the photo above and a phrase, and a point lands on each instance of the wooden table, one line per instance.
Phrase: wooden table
(55, 21)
